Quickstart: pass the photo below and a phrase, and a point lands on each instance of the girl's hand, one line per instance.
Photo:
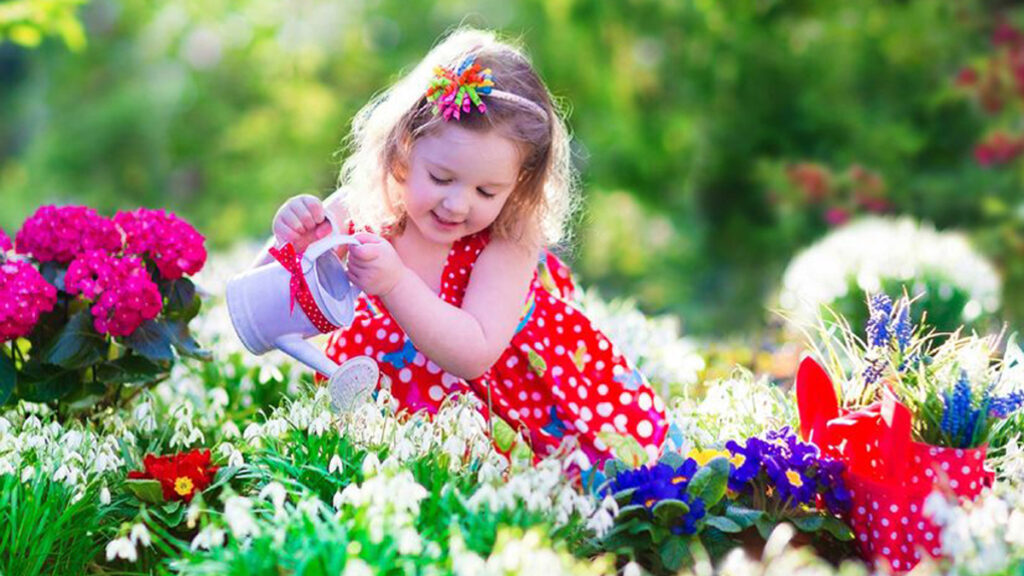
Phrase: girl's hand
(374, 266)
(301, 221)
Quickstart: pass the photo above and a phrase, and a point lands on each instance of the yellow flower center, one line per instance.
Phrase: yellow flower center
(650, 502)
(738, 460)
(679, 479)
(704, 456)
(183, 485)
(794, 478)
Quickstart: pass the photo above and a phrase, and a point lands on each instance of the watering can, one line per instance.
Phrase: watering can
(283, 303)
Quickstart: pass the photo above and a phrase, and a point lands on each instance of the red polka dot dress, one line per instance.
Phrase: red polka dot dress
(559, 376)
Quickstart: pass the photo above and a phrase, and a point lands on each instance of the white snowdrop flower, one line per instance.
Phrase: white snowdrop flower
(336, 465)
(105, 496)
(27, 473)
(631, 569)
(356, 567)
(1015, 528)
(269, 372)
(579, 458)
(485, 495)
(238, 515)
(338, 500)
(352, 495)
(300, 415)
(309, 506)
(232, 454)
(275, 493)
(65, 474)
(5, 426)
(409, 541)
(230, 430)
(275, 427)
(6, 468)
(455, 447)
(252, 433)
(32, 423)
(192, 513)
(72, 440)
(320, 424)
(140, 534)
(208, 538)
(145, 416)
(488, 472)
(371, 465)
(121, 548)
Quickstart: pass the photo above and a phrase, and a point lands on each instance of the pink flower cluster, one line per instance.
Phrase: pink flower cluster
(5, 242)
(174, 245)
(24, 296)
(57, 234)
(120, 288)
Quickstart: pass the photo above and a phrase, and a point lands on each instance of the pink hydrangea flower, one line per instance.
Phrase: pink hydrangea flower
(123, 294)
(58, 234)
(171, 243)
(5, 241)
(24, 296)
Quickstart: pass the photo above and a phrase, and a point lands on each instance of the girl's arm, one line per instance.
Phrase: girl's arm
(467, 341)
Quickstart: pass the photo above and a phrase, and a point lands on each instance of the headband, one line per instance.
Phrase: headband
(453, 92)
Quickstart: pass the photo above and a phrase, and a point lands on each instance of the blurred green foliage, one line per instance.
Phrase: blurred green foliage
(221, 109)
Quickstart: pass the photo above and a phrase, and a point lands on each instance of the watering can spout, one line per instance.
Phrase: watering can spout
(297, 347)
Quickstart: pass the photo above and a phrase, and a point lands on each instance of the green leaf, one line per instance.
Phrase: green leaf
(8, 377)
(46, 382)
(765, 525)
(627, 513)
(171, 514)
(132, 369)
(85, 396)
(673, 459)
(674, 553)
(77, 345)
(811, 523)
(223, 476)
(668, 512)
(182, 301)
(623, 497)
(613, 466)
(146, 490)
(837, 528)
(183, 341)
(724, 524)
(710, 482)
(151, 340)
(744, 517)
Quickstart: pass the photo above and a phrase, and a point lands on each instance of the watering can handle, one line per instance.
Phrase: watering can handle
(332, 240)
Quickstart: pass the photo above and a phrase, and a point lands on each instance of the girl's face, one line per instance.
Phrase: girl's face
(458, 181)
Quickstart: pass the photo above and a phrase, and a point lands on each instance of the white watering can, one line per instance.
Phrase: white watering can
(265, 316)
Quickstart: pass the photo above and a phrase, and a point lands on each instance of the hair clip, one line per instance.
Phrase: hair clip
(454, 92)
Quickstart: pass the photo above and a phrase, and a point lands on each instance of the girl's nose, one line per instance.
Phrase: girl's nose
(455, 204)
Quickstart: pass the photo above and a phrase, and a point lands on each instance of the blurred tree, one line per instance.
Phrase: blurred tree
(221, 109)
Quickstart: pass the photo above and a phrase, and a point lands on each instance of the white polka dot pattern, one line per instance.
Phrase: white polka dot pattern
(558, 377)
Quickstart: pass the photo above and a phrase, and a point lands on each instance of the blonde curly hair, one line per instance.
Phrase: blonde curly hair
(384, 131)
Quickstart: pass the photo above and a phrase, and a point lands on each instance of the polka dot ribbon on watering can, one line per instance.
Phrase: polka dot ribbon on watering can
(292, 262)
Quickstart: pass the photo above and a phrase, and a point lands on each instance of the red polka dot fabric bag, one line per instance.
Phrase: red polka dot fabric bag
(888, 474)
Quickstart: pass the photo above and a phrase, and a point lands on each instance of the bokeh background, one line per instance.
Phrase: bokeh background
(716, 139)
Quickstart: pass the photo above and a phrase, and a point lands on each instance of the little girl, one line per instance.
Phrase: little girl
(460, 176)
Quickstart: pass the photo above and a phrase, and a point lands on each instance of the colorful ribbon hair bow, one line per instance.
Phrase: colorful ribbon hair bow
(454, 92)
